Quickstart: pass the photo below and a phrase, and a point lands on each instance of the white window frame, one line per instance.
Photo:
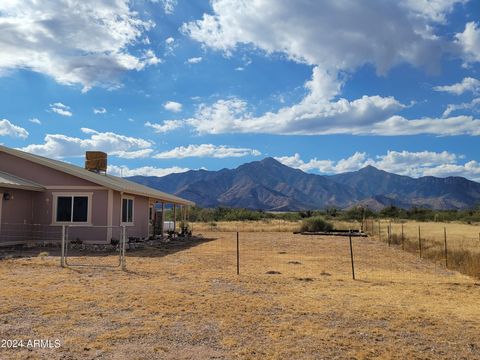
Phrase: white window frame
(56, 195)
(127, 197)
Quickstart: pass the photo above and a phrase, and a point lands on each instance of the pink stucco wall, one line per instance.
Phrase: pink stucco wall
(140, 214)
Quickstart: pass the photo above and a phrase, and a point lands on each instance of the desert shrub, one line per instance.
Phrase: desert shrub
(315, 224)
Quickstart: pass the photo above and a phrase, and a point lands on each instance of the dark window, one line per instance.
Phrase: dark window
(80, 209)
(127, 210)
(72, 208)
(64, 208)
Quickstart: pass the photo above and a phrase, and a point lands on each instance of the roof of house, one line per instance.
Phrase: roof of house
(109, 181)
(10, 181)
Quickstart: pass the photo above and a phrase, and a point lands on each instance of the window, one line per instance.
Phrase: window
(127, 210)
(72, 209)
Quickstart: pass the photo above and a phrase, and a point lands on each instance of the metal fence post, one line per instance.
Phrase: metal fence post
(238, 255)
(124, 240)
(389, 233)
(445, 239)
(351, 256)
(62, 255)
(419, 241)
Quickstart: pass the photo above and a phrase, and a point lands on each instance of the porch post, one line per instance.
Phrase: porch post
(162, 221)
(174, 217)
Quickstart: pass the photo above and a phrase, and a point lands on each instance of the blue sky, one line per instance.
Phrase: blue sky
(324, 86)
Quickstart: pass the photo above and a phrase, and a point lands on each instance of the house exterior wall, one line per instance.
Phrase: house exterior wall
(17, 210)
(140, 214)
(37, 208)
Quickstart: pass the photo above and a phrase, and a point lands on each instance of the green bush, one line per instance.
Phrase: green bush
(315, 224)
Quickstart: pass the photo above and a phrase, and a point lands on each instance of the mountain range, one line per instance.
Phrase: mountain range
(270, 185)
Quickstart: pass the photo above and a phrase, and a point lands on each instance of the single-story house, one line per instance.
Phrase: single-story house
(39, 196)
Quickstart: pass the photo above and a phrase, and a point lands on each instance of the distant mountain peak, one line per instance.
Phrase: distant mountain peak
(270, 185)
(270, 161)
(370, 168)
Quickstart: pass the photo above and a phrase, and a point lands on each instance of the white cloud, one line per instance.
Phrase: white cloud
(469, 41)
(206, 150)
(450, 126)
(167, 126)
(467, 84)
(61, 146)
(144, 171)
(381, 33)
(61, 109)
(472, 105)
(35, 121)
(86, 43)
(415, 164)
(312, 116)
(195, 60)
(9, 129)
(170, 46)
(168, 5)
(346, 36)
(100, 110)
(173, 106)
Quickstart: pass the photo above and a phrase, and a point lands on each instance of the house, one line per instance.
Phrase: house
(40, 196)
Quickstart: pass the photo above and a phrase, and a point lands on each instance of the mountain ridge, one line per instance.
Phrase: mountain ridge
(270, 185)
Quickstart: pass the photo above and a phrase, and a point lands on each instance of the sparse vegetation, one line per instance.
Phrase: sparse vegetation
(353, 214)
(43, 254)
(190, 303)
(316, 224)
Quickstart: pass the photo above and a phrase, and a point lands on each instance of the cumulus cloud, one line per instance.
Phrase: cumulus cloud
(467, 84)
(380, 33)
(195, 60)
(100, 110)
(35, 121)
(207, 150)
(472, 105)
(469, 41)
(415, 164)
(369, 115)
(61, 146)
(125, 171)
(61, 109)
(449, 126)
(87, 43)
(173, 106)
(315, 114)
(167, 126)
(9, 129)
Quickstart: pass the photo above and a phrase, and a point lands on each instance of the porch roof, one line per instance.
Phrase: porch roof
(10, 181)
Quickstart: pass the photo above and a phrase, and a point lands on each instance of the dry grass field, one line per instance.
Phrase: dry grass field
(294, 299)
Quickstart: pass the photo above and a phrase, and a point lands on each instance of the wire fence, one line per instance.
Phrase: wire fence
(29, 234)
(456, 246)
(384, 255)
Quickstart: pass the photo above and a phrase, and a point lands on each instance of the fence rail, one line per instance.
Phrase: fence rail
(13, 234)
(71, 233)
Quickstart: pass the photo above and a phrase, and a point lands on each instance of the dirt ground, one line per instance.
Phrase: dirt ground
(294, 299)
